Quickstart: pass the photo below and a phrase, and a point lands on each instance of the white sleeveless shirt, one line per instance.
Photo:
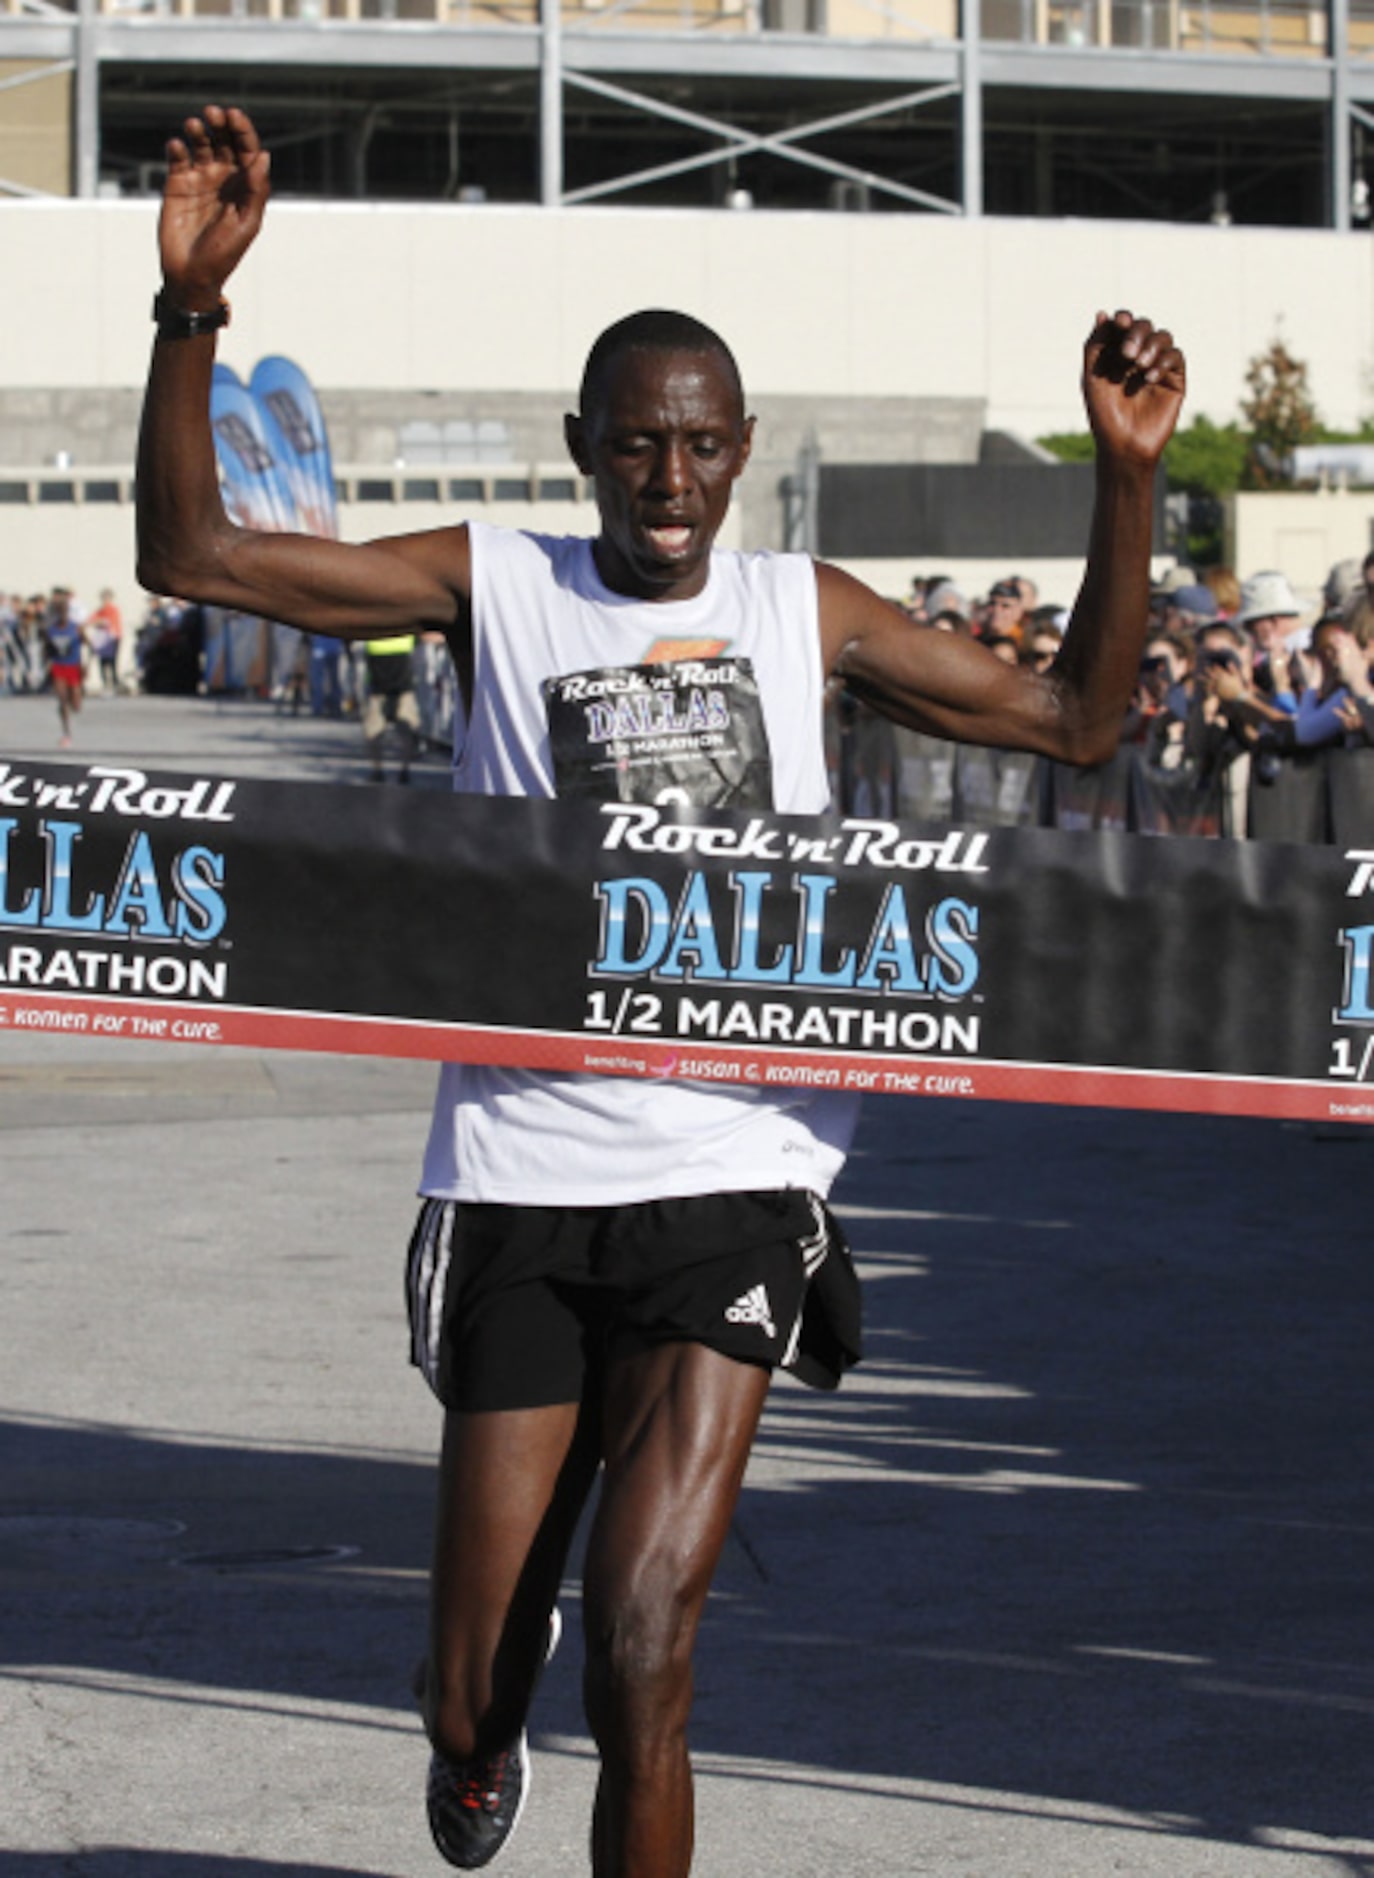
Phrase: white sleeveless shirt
(542, 614)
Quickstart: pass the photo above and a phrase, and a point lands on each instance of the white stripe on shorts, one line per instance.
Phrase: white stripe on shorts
(430, 1260)
(814, 1252)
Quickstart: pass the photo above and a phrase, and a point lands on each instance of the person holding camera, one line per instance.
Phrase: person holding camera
(1224, 718)
(1339, 705)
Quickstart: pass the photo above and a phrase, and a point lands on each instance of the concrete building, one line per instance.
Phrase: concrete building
(1251, 111)
(881, 338)
(901, 212)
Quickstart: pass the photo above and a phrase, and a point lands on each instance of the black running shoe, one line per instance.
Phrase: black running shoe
(475, 1806)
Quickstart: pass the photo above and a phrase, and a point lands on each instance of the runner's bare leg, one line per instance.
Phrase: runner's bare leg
(68, 702)
(512, 1484)
(679, 1421)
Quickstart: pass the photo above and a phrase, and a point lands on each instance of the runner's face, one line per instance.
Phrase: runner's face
(664, 447)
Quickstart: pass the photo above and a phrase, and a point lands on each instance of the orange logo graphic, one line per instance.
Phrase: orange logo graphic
(669, 651)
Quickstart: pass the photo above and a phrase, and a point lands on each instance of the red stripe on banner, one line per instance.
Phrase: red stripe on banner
(742, 1066)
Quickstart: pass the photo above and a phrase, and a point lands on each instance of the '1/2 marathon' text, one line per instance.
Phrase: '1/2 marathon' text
(776, 931)
(816, 1026)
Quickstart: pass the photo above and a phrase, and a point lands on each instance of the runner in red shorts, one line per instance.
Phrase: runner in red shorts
(65, 643)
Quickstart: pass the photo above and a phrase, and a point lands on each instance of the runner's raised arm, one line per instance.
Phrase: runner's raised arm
(212, 209)
(1133, 384)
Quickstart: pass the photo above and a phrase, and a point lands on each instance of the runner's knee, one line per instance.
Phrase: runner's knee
(638, 1679)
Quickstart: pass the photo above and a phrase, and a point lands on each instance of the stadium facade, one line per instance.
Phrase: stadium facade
(902, 212)
(1244, 111)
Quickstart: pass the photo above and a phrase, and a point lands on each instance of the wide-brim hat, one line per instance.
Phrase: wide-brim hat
(1266, 596)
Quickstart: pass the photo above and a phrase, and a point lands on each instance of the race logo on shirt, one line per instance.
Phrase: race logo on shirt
(674, 730)
(665, 651)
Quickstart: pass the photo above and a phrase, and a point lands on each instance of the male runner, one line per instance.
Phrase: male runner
(606, 1274)
(65, 645)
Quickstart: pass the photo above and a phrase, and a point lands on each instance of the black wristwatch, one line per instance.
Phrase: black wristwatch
(174, 322)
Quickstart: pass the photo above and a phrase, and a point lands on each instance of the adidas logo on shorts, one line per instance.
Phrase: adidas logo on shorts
(753, 1308)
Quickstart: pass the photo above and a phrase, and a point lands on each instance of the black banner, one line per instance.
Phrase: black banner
(730, 946)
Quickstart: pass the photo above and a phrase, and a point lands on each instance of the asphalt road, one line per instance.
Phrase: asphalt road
(1072, 1578)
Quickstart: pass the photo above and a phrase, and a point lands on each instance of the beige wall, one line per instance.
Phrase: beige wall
(448, 297)
(86, 549)
(1304, 535)
(463, 299)
(35, 127)
(89, 547)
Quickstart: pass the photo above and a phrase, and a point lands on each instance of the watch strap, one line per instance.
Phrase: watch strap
(174, 322)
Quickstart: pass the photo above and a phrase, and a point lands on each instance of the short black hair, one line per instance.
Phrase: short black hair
(1236, 634)
(656, 329)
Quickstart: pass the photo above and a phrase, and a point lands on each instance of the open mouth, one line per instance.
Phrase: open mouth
(670, 540)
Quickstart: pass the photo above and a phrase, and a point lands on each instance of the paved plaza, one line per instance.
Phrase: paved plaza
(1072, 1579)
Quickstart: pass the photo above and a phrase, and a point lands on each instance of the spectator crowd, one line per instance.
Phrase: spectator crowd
(1253, 716)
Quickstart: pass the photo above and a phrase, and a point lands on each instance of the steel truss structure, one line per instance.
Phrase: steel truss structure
(1064, 62)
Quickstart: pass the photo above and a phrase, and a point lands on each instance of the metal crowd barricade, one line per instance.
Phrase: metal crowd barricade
(1309, 796)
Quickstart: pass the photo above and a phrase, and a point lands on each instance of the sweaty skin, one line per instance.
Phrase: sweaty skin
(663, 442)
(663, 451)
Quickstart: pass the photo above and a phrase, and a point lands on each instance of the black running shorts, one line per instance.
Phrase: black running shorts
(513, 1306)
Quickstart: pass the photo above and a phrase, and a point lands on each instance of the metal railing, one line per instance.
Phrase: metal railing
(1241, 28)
(1277, 28)
(634, 15)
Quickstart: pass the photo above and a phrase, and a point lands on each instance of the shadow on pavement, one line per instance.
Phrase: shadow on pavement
(1090, 1530)
(149, 1561)
(1093, 1523)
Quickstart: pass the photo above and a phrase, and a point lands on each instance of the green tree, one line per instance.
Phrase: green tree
(1206, 459)
(1280, 413)
(1203, 460)
(1070, 446)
